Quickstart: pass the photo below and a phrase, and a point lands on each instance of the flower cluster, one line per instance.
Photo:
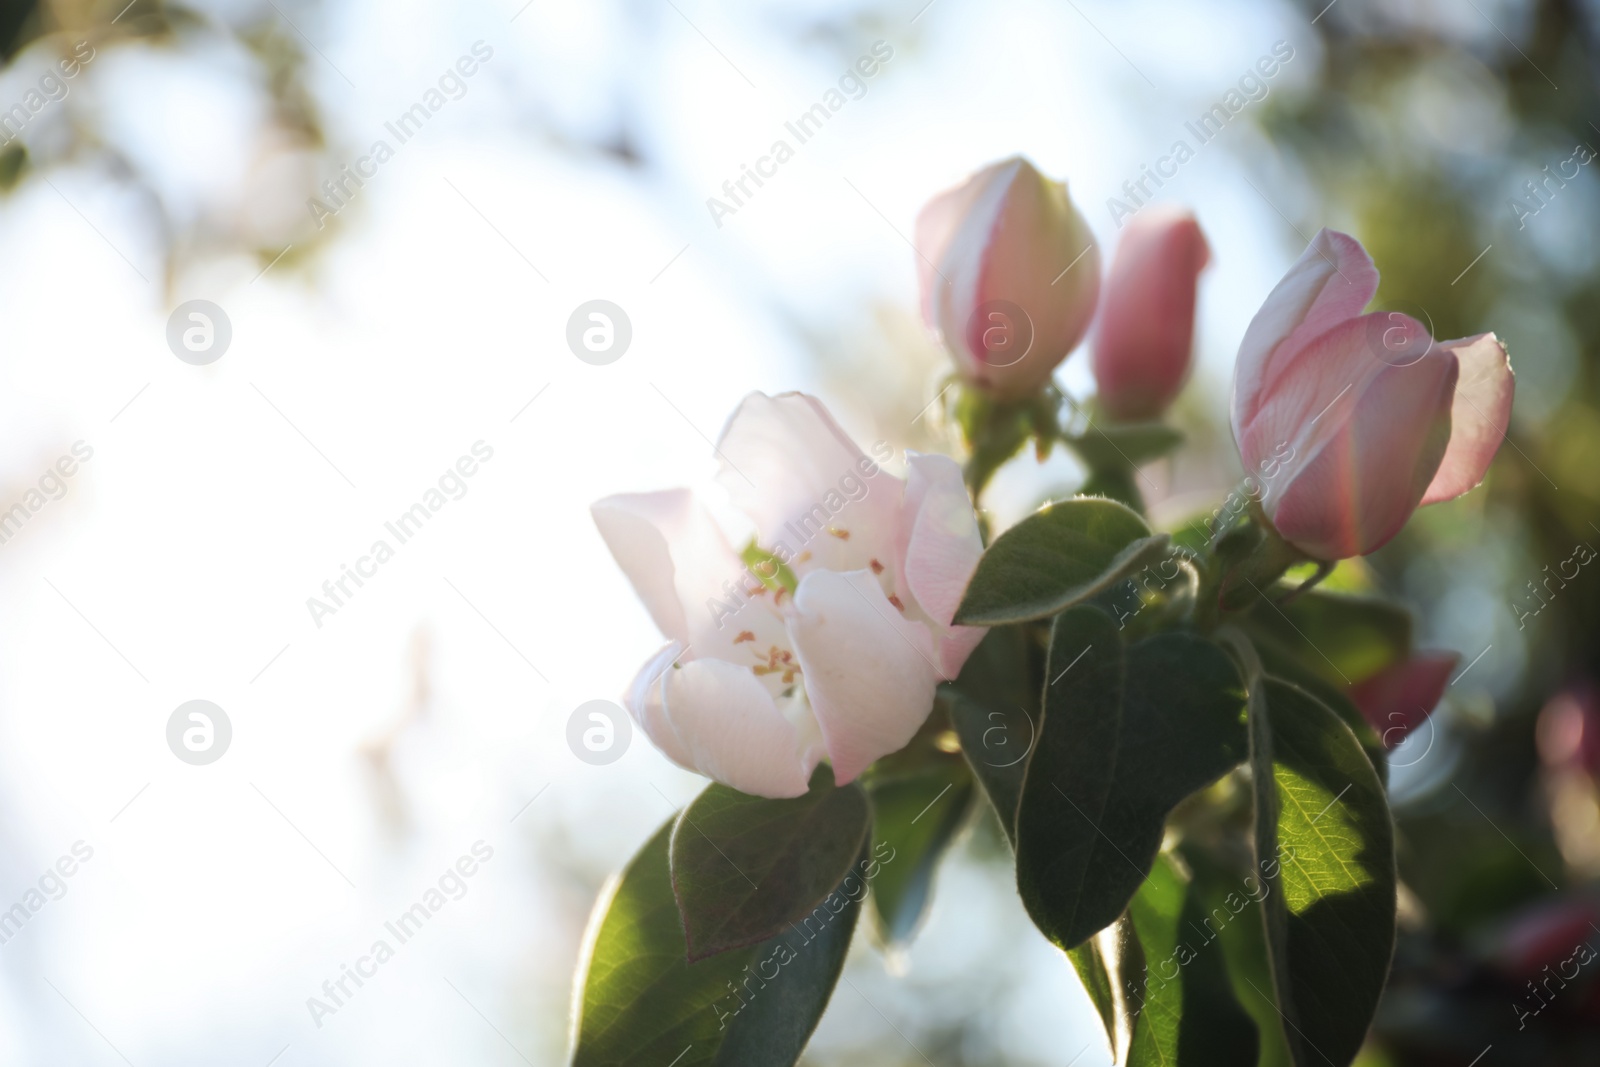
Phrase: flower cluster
(782, 655)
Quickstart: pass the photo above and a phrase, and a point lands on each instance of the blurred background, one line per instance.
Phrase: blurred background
(392, 310)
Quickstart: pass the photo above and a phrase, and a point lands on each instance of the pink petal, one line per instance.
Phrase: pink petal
(1478, 418)
(1146, 329)
(1018, 235)
(1331, 281)
(1400, 697)
(869, 672)
(732, 730)
(1360, 485)
(670, 549)
(956, 644)
(1317, 393)
(1569, 727)
(806, 485)
(939, 549)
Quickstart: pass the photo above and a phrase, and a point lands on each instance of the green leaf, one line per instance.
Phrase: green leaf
(1325, 843)
(1219, 891)
(1343, 638)
(1090, 964)
(1127, 734)
(744, 867)
(1184, 1009)
(994, 705)
(915, 819)
(1173, 1002)
(1056, 557)
(1281, 664)
(642, 1001)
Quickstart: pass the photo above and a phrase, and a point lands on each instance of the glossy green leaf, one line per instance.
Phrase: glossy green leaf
(915, 819)
(1126, 735)
(641, 1000)
(1061, 554)
(744, 867)
(1326, 842)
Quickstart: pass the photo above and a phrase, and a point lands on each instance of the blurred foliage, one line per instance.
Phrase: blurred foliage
(262, 217)
(19, 24)
(1422, 127)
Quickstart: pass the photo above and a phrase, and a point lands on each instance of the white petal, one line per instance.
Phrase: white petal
(939, 534)
(671, 550)
(869, 673)
(732, 730)
(936, 227)
(940, 546)
(805, 484)
(643, 701)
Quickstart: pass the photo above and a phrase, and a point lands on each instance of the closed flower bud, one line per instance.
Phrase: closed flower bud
(1142, 341)
(1375, 416)
(1010, 274)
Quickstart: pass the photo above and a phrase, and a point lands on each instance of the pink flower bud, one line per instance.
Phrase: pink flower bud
(1399, 698)
(1569, 729)
(1146, 328)
(1009, 274)
(1352, 421)
(1541, 937)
